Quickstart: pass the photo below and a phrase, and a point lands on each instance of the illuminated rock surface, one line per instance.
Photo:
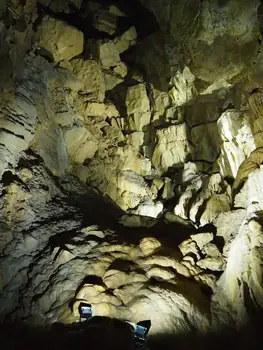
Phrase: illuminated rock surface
(131, 169)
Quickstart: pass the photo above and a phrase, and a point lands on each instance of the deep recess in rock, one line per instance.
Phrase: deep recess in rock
(131, 176)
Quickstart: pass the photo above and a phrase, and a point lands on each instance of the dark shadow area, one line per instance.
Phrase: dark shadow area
(136, 15)
(207, 228)
(106, 333)
(148, 55)
(90, 279)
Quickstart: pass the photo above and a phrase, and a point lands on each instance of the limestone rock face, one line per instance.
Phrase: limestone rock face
(90, 77)
(131, 163)
(172, 148)
(126, 40)
(80, 144)
(62, 41)
(238, 141)
(137, 100)
(51, 147)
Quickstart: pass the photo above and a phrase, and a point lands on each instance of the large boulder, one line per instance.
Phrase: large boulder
(59, 39)
(81, 144)
(172, 147)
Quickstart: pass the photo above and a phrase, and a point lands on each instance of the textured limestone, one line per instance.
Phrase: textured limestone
(130, 165)
(81, 144)
(111, 80)
(51, 147)
(62, 41)
(172, 147)
(183, 89)
(137, 100)
(95, 109)
(107, 53)
(90, 77)
(126, 40)
(238, 141)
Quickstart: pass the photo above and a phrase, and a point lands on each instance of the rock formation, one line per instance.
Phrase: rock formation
(131, 162)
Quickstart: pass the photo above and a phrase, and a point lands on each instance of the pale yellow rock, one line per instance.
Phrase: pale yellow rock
(121, 69)
(209, 185)
(115, 278)
(255, 191)
(139, 121)
(61, 40)
(16, 208)
(183, 89)
(134, 162)
(90, 76)
(165, 262)
(107, 309)
(95, 109)
(149, 245)
(111, 79)
(94, 231)
(193, 269)
(90, 290)
(172, 146)
(127, 292)
(168, 189)
(108, 54)
(207, 279)
(182, 208)
(160, 100)
(211, 249)
(105, 298)
(160, 273)
(189, 259)
(136, 99)
(237, 141)
(81, 144)
(202, 239)
(249, 165)
(212, 263)
(113, 134)
(190, 247)
(244, 265)
(126, 40)
(62, 257)
(149, 208)
(25, 174)
(216, 204)
(49, 143)
(158, 183)
(136, 139)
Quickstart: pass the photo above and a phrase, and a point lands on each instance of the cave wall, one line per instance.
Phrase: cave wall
(162, 120)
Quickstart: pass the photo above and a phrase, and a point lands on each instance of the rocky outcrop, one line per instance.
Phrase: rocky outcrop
(131, 163)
